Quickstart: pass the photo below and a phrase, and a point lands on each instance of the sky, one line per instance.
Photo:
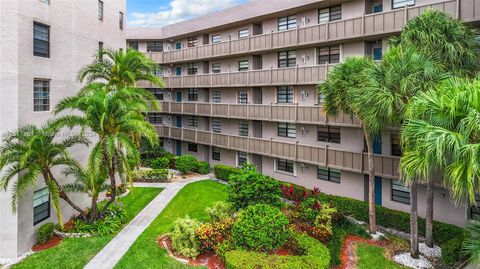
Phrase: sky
(155, 13)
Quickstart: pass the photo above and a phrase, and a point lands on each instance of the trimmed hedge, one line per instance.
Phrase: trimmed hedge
(313, 254)
(186, 163)
(160, 163)
(224, 172)
(154, 175)
(203, 168)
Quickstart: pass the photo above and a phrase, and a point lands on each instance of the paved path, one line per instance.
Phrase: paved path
(108, 257)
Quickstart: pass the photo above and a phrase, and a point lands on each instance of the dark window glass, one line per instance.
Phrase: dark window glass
(328, 134)
(328, 174)
(400, 192)
(241, 158)
(178, 46)
(178, 71)
(157, 92)
(192, 68)
(287, 58)
(120, 20)
(216, 126)
(286, 23)
(286, 129)
(41, 40)
(285, 94)
(330, 14)
(192, 121)
(100, 10)
(192, 94)
(396, 149)
(192, 42)
(242, 97)
(192, 147)
(474, 210)
(243, 65)
(216, 97)
(154, 46)
(243, 128)
(133, 45)
(215, 154)
(41, 205)
(216, 68)
(285, 165)
(155, 118)
(41, 95)
(329, 54)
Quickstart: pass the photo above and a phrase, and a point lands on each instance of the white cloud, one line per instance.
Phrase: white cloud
(179, 10)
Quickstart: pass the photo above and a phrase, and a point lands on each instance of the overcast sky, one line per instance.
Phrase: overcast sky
(155, 13)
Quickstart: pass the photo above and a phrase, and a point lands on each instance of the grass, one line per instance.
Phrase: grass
(192, 201)
(373, 257)
(77, 252)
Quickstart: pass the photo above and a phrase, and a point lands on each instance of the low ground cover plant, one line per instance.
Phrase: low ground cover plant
(153, 175)
(45, 232)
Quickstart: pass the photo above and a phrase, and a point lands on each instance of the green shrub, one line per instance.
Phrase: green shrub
(313, 254)
(250, 187)
(451, 250)
(260, 227)
(160, 163)
(113, 221)
(219, 210)
(186, 163)
(341, 228)
(153, 175)
(211, 235)
(184, 240)
(45, 232)
(223, 172)
(203, 168)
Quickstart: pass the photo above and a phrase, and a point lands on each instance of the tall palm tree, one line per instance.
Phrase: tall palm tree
(450, 42)
(113, 115)
(340, 93)
(401, 75)
(31, 152)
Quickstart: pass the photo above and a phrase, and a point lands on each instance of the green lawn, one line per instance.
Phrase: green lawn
(191, 200)
(77, 252)
(373, 257)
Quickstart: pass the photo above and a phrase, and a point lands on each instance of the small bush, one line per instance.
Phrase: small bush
(203, 168)
(186, 163)
(211, 235)
(451, 253)
(260, 227)
(184, 239)
(160, 163)
(220, 210)
(250, 187)
(223, 172)
(45, 232)
(113, 221)
(153, 175)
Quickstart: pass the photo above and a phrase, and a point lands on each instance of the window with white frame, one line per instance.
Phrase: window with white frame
(400, 192)
(243, 128)
(329, 54)
(242, 97)
(287, 58)
(242, 158)
(243, 33)
(216, 38)
(216, 68)
(192, 121)
(286, 23)
(216, 97)
(41, 205)
(215, 154)
(328, 174)
(285, 165)
(216, 126)
(330, 14)
(286, 129)
(243, 65)
(285, 94)
(154, 46)
(192, 94)
(41, 95)
(402, 3)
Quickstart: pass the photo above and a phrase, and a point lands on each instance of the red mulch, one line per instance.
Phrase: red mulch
(349, 254)
(54, 241)
(283, 252)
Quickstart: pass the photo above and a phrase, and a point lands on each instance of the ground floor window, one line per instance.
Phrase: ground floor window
(41, 205)
(215, 154)
(285, 165)
(242, 158)
(400, 192)
(328, 174)
(192, 147)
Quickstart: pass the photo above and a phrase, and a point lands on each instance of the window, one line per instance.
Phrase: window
(377, 53)
(41, 40)
(133, 45)
(192, 42)
(120, 20)
(400, 192)
(285, 165)
(100, 45)
(192, 68)
(41, 95)
(215, 154)
(192, 121)
(285, 94)
(100, 10)
(154, 46)
(395, 141)
(157, 92)
(321, 99)
(45, 1)
(286, 129)
(216, 38)
(155, 117)
(216, 97)
(242, 97)
(287, 58)
(178, 71)
(286, 23)
(41, 205)
(330, 14)
(158, 71)
(329, 134)
(329, 55)
(192, 147)
(216, 68)
(474, 212)
(243, 65)
(328, 174)
(161, 142)
(402, 3)
(243, 33)
(242, 158)
(192, 94)
(178, 46)
(216, 126)
(243, 128)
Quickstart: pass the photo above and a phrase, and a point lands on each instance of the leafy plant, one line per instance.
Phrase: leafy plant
(260, 227)
(154, 175)
(203, 168)
(112, 221)
(184, 239)
(160, 163)
(45, 232)
(223, 172)
(186, 163)
(219, 211)
(211, 235)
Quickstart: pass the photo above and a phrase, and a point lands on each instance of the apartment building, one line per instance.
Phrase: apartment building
(241, 88)
(43, 45)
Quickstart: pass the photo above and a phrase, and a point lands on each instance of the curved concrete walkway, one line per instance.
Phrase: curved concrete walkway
(108, 257)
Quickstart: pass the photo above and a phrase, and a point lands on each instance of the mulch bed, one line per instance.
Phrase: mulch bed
(54, 241)
(349, 250)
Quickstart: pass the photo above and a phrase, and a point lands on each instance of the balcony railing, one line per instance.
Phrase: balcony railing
(265, 112)
(385, 166)
(381, 23)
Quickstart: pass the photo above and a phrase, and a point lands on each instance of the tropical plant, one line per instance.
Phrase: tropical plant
(45, 232)
(31, 152)
(184, 239)
(186, 163)
(113, 116)
(471, 246)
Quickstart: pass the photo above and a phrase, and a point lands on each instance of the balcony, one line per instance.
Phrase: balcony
(264, 112)
(385, 166)
(376, 24)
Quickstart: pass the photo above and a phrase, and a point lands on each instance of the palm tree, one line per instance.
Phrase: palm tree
(471, 246)
(340, 94)
(113, 115)
(451, 43)
(31, 152)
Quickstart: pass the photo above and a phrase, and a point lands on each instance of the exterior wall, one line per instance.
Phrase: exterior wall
(75, 33)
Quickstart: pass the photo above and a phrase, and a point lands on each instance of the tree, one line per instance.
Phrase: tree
(114, 116)
(471, 246)
(451, 43)
(31, 152)
(341, 91)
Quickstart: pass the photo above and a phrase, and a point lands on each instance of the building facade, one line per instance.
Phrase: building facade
(241, 87)
(43, 45)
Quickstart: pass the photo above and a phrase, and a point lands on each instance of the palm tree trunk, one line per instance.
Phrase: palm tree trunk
(65, 197)
(429, 215)
(113, 184)
(93, 209)
(372, 222)
(414, 221)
